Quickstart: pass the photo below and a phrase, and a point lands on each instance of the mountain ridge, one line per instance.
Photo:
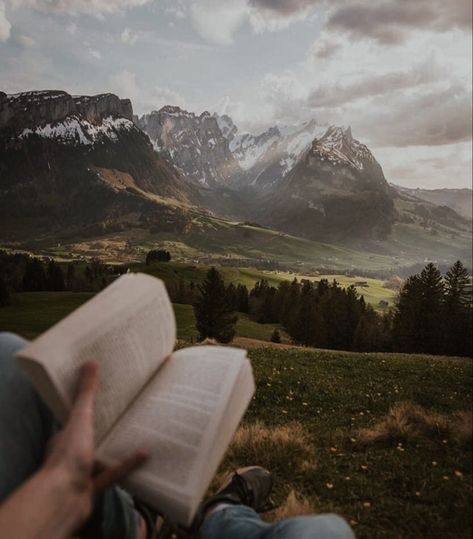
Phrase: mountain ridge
(78, 166)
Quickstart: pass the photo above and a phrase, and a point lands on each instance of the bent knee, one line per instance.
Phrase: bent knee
(327, 526)
(9, 345)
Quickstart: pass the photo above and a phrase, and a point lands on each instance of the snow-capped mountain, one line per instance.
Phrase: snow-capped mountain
(336, 189)
(70, 162)
(268, 157)
(194, 144)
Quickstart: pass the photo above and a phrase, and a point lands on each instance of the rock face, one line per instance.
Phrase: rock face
(336, 191)
(268, 157)
(37, 108)
(194, 144)
(76, 164)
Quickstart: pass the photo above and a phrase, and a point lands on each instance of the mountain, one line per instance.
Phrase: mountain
(459, 200)
(80, 171)
(79, 165)
(269, 156)
(194, 144)
(337, 190)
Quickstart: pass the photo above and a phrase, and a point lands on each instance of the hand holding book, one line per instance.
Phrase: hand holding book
(183, 406)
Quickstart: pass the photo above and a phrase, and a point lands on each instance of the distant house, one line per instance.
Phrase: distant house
(362, 284)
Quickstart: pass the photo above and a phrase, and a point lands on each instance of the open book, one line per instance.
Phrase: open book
(183, 407)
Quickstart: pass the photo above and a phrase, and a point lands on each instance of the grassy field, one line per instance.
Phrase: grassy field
(34, 312)
(211, 236)
(171, 272)
(409, 476)
(382, 439)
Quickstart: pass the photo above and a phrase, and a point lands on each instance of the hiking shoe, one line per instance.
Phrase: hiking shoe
(247, 486)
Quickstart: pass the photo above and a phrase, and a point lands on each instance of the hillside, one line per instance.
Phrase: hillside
(377, 438)
(79, 178)
(459, 200)
(336, 190)
(78, 166)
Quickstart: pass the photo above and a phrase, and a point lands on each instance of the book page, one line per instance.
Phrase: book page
(128, 329)
(177, 418)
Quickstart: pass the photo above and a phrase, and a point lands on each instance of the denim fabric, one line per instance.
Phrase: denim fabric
(26, 425)
(241, 522)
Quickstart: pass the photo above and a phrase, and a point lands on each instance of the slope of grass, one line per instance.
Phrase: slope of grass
(35, 312)
(410, 488)
(171, 272)
(382, 439)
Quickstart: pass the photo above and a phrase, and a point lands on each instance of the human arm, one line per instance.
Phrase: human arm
(58, 499)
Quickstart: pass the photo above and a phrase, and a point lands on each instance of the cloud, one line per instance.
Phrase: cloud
(25, 41)
(390, 21)
(435, 118)
(284, 7)
(71, 28)
(427, 166)
(144, 98)
(78, 7)
(217, 20)
(5, 25)
(128, 37)
(326, 49)
(335, 95)
(94, 53)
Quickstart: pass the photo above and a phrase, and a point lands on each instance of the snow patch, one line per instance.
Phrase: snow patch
(74, 130)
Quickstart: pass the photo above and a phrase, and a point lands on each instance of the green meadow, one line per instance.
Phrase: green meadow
(384, 440)
(35, 312)
(373, 290)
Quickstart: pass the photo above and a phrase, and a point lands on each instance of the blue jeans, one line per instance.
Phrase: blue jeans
(241, 522)
(26, 425)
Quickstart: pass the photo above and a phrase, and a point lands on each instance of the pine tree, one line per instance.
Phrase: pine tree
(231, 294)
(432, 321)
(457, 283)
(54, 277)
(406, 316)
(304, 328)
(242, 299)
(5, 297)
(214, 317)
(70, 276)
(418, 320)
(34, 279)
(457, 311)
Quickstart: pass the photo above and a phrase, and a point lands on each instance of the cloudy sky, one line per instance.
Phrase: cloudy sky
(397, 71)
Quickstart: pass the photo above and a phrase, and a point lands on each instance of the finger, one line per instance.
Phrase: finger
(115, 473)
(86, 391)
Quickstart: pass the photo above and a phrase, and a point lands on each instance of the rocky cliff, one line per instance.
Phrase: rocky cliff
(38, 108)
(336, 191)
(76, 163)
(194, 144)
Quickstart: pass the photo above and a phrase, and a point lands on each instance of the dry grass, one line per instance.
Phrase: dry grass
(295, 505)
(407, 422)
(284, 447)
(278, 447)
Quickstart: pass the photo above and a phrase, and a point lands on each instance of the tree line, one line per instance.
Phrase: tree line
(23, 273)
(433, 313)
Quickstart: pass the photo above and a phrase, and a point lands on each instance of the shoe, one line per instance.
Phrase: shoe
(249, 486)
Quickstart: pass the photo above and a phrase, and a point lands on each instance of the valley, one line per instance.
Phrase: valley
(82, 176)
